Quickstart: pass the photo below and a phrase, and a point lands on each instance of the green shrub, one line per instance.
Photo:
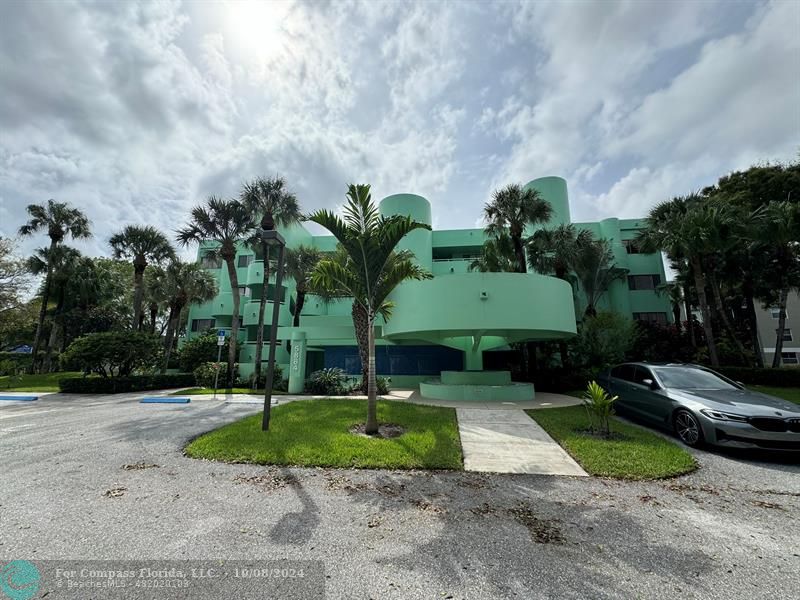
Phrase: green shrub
(786, 377)
(200, 350)
(13, 362)
(328, 382)
(381, 385)
(262, 380)
(112, 353)
(206, 373)
(133, 383)
(603, 340)
(599, 406)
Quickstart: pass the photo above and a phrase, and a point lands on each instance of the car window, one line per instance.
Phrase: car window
(625, 372)
(687, 378)
(641, 374)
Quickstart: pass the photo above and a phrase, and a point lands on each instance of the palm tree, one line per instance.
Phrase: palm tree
(63, 261)
(228, 223)
(60, 220)
(554, 251)
(143, 245)
(595, 271)
(181, 284)
(674, 292)
(512, 209)
(497, 255)
(369, 240)
(270, 198)
(300, 263)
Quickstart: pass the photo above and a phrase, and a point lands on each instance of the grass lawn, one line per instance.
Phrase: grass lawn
(45, 382)
(198, 391)
(638, 454)
(792, 394)
(316, 433)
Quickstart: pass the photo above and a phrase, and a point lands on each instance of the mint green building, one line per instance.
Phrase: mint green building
(440, 328)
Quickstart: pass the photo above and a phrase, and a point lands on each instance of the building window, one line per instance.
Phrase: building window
(244, 291)
(789, 358)
(209, 261)
(643, 282)
(245, 260)
(631, 247)
(202, 324)
(271, 293)
(775, 312)
(651, 317)
(787, 334)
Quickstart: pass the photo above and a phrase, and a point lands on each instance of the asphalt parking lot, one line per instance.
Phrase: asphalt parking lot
(103, 477)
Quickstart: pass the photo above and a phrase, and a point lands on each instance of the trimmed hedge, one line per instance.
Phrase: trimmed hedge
(132, 383)
(773, 377)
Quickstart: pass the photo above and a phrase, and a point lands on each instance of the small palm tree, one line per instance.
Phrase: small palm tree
(228, 223)
(271, 199)
(511, 210)
(497, 255)
(554, 251)
(60, 220)
(596, 271)
(369, 240)
(300, 263)
(674, 292)
(142, 245)
(181, 284)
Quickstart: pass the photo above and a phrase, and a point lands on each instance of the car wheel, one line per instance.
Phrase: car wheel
(687, 427)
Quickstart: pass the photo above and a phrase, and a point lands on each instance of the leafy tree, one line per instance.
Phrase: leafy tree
(113, 353)
(200, 350)
(142, 245)
(270, 198)
(13, 277)
(511, 210)
(60, 220)
(228, 223)
(300, 263)
(603, 340)
(595, 271)
(375, 268)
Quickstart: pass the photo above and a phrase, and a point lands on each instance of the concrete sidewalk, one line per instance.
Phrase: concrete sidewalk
(509, 441)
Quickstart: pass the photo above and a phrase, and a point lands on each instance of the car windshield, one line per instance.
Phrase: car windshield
(692, 379)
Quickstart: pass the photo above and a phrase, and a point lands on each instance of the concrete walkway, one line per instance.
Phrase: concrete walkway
(509, 441)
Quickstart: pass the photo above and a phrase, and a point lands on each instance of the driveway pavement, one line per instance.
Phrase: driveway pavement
(80, 481)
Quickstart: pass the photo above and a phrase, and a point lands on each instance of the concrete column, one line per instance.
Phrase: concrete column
(473, 359)
(297, 362)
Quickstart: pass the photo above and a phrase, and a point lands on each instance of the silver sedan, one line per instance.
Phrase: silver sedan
(702, 406)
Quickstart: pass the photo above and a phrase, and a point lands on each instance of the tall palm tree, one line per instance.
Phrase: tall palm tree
(181, 284)
(554, 251)
(595, 271)
(271, 199)
(60, 220)
(497, 255)
(228, 223)
(369, 241)
(63, 260)
(513, 208)
(673, 226)
(143, 245)
(300, 263)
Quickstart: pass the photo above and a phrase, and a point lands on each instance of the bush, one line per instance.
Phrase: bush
(328, 382)
(603, 340)
(115, 385)
(113, 353)
(661, 343)
(381, 384)
(752, 376)
(200, 350)
(599, 406)
(277, 378)
(205, 374)
(13, 362)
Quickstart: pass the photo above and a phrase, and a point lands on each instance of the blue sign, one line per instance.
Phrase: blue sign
(19, 580)
(221, 333)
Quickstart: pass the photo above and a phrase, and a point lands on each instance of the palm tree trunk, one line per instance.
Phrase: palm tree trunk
(234, 341)
(172, 324)
(298, 307)
(153, 317)
(138, 293)
(700, 284)
(776, 359)
(519, 253)
(262, 306)
(372, 400)
(55, 328)
(361, 327)
(676, 316)
(752, 326)
(689, 317)
(726, 322)
(37, 338)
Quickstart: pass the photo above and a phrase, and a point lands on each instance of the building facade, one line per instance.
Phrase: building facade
(442, 324)
(768, 328)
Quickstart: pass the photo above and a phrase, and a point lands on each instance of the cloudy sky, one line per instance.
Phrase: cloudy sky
(136, 111)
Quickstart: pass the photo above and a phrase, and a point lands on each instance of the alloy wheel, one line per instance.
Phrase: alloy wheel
(687, 428)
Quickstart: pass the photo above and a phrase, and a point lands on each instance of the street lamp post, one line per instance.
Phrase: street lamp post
(271, 239)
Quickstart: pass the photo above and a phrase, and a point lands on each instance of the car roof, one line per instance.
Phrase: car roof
(661, 364)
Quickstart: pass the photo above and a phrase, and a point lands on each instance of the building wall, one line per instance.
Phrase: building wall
(468, 313)
(767, 325)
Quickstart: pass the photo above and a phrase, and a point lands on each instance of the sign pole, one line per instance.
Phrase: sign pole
(220, 344)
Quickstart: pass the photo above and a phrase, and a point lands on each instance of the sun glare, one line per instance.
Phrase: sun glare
(254, 27)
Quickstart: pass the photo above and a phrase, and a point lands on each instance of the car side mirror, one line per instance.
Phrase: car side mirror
(650, 383)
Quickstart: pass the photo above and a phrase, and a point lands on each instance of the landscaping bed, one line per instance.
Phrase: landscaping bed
(200, 391)
(44, 382)
(317, 433)
(631, 453)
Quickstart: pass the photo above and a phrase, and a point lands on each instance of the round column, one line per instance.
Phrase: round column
(554, 190)
(420, 242)
(297, 362)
